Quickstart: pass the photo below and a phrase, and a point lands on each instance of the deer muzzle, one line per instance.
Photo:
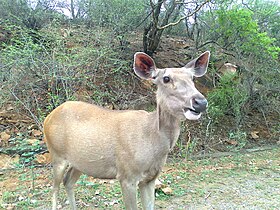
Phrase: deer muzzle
(199, 105)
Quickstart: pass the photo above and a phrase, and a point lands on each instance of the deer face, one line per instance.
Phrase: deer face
(176, 90)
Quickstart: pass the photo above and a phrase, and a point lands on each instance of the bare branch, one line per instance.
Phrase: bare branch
(156, 10)
(144, 19)
(35, 118)
(184, 17)
(208, 42)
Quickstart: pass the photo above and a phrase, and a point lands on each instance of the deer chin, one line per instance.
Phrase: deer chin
(191, 115)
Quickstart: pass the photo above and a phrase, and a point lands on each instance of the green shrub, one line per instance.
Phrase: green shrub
(239, 138)
(239, 30)
(227, 99)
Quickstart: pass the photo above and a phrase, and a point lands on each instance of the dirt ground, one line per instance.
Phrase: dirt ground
(240, 181)
(248, 181)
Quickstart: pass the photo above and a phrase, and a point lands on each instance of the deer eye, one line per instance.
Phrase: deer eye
(166, 79)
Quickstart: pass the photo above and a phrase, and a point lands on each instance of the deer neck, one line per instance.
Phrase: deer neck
(167, 125)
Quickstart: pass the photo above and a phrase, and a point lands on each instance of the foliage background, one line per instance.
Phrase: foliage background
(47, 57)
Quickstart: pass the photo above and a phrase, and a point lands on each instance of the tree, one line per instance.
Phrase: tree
(236, 31)
(117, 15)
(267, 14)
(161, 13)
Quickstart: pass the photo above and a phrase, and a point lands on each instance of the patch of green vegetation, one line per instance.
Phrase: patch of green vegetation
(99, 193)
(25, 147)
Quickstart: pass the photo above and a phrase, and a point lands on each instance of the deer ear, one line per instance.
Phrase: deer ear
(144, 66)
(200, 64)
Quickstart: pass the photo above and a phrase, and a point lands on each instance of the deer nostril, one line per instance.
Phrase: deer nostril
(199, 104)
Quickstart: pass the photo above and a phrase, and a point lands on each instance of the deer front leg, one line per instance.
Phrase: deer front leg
(129, 191)
(147, 191)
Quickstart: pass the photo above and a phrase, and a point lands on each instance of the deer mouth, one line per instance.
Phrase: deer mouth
(191, 114)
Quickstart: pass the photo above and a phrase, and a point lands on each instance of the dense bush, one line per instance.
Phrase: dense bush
(238, 32)
(63, 65)
(30, 14)
(235, 35)
(228, 98)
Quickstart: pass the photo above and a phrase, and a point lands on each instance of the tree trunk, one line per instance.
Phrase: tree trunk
(72, 10)
(152, 33)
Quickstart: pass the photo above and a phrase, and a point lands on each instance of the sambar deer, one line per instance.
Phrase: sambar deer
(131, 145)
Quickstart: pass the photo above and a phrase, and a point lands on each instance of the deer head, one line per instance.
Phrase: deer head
(176, 92)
